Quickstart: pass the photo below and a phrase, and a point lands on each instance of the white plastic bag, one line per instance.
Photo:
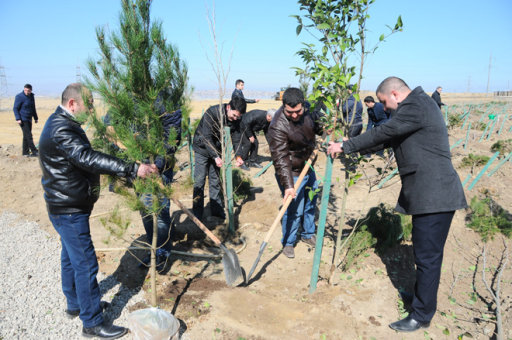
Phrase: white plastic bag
(152, 324)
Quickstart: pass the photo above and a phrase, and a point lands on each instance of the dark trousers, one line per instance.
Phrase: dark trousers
(164, 243)
(355, 130)
(79, 267)
(429, 233)
(252, 157)
(28, 142)
(205, 166)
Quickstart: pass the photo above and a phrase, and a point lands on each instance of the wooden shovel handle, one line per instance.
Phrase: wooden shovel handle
(194, 219)
(289, 198)
(197, 222)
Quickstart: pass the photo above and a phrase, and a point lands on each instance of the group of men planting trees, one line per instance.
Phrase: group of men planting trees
(145, 102)
(431, 189)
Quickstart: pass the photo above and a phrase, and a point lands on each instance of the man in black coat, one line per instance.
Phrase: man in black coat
(71, 182)
(436, 95)
(237, 92)
(253, 122)
(24, 110)
(207, 151)
(431, 189)
(355, 123)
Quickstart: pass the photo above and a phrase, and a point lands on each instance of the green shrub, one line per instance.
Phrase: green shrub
(381, 228)
(479, 126)
(503, 146)
(241, 185)
(454, 120)
(487, 218)
(472, 160)
(357, 245)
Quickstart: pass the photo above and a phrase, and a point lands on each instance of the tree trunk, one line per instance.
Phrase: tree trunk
(152, 268)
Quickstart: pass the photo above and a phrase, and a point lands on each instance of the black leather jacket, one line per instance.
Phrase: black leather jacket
(207, 135)
(71, 168)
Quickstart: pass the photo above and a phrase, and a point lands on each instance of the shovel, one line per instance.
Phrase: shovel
(232, 269)
(281, 213)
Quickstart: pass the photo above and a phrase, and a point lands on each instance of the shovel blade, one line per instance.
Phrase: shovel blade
(232, 269)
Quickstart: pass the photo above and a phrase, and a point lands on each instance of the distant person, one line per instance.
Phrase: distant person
(253, 122)
(436, 95)
(376, 113)
(208, 153)
(431, 188)
(24, 109)
(292, 141)
(356, 125)
(237, 92)
(71, 182)
(376, 116)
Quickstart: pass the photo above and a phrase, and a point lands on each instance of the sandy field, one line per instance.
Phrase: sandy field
(358, 304)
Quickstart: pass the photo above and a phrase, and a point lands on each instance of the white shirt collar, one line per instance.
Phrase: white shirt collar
(67, 111)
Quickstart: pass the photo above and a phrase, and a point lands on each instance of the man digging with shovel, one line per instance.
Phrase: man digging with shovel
(292, 141)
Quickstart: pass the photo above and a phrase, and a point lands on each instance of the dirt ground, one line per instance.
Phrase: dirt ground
(358, 304)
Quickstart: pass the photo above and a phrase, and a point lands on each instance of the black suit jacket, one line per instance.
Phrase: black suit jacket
(418, 135)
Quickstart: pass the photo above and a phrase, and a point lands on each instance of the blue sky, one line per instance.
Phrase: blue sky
(445, 43)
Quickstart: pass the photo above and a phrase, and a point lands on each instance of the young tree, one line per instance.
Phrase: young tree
(340, 28)
(136, 73)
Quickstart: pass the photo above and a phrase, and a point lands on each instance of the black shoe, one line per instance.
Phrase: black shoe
(244, 167)
(71, 314)
(104, 331)
(255, 165)
(408, 325)
(161, 261)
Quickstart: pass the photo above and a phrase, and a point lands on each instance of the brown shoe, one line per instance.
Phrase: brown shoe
(310, 241)
(289, 252)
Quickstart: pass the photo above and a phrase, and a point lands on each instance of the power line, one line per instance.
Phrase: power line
(78, 74)
(3, 88)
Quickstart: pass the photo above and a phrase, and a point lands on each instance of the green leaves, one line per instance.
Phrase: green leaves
(399, 24)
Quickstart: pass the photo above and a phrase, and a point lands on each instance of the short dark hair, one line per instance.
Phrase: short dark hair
(239, 81)
(27, 86)
(293, 97)
(369, 99)
(76, 91)
(238, 104)
(391, 83)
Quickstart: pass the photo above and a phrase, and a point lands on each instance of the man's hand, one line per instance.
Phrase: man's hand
(289, 192)
(334, 148)
(146, 169)
(18, 121)
(218, 162)
(239, 161)
(251, 139)
(35, 121)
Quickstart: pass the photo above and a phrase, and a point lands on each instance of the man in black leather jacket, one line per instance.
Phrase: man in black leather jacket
(207, 153)
(253, 122)
(71, 174)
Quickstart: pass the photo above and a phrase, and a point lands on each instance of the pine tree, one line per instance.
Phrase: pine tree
(137, 65)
